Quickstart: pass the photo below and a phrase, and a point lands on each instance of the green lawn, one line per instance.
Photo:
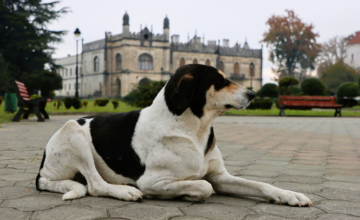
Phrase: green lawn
(5, 117)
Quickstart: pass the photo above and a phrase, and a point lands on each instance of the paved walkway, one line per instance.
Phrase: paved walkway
(316, 156)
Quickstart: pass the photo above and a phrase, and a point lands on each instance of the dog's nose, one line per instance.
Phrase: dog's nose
(251, 95)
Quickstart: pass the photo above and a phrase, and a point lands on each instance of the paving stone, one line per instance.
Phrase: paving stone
(272, 162)
(99, 202)
(18, 177)
(27, 183)
(140, 211)
(336, 217)
(216, 211)
(344, 178)
(70, 213)
(299, 187)
(236, 163)
(300, 179)
(9, 213)
(341, 185)
(229, 200)
(340, 194)
(286, 211)
(13, 192)
(167, 203)
(340, 207)
(189, 218)
(6, 183)
(304, 167)
(314, 173)
(24, 166)
(7, 171)
(263, 217)
(35, 202)
(265, 167)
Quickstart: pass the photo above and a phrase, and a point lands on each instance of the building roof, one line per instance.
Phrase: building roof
(355, 39)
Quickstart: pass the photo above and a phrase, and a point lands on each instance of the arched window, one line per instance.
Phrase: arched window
(144, 81)
(118, 61)
(195, 61)
(222, 67)
(207, 63)
(182, 62)
(96, 64)
(145, 62)
(236, 69)
(118, 88)
(70, 71)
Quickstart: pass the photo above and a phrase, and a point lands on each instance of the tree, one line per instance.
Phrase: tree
(268, 90)
(293, 46)
(285, 83)
(337, 73)
(332, 51)
(313, 86)
(25, 43)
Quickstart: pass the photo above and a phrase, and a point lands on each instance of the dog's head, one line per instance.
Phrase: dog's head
(204, 89)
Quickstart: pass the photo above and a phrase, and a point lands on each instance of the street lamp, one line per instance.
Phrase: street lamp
(77, 37)
(252, 66)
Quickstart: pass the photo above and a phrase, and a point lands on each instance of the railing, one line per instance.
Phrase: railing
(237, 76)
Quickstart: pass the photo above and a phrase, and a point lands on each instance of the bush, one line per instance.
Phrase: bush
(115, 104)
(268, 90)
(312, 87)
(101, 102)
(1, 100)
(348, 89)
(35, 96)
(144, 95)
(260, 104)
(285, 83)
(58, 103)
(68, 103)
(85, 103)
(294, 90)
(54, 104)
(76, 103)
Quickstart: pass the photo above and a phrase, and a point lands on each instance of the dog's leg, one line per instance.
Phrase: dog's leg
(72, 189)
(192, 190)
(224, 183)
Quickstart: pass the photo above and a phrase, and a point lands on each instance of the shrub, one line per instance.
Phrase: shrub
(294, 90)
(268, 90)
(115, 104)
(260, 104)
(348, 90)
(85, 103)
(76, 103)
(58, 103)
(285, 83)
(95, 104)
(68, 102)
(54, 104)
(35, 96)
(102, 102)
(144, 95)
(312, 87)
(1, 100)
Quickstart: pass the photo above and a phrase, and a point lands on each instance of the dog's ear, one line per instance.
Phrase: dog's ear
(184, 91)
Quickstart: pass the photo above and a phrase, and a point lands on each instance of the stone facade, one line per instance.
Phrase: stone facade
(353, 51)
(115, 65)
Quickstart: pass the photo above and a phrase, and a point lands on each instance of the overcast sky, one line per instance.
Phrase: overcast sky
(233, 20)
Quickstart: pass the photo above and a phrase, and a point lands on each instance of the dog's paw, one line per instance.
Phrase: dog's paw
(290, 198)
(127, 193)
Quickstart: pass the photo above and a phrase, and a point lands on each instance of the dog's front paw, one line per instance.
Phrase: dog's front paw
(127, 193)
(290, 198)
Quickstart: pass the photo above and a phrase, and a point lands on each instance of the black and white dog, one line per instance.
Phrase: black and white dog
(167, 150)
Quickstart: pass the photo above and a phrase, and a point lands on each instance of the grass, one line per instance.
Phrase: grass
(5, 117)
(289, 112)
(90, 108)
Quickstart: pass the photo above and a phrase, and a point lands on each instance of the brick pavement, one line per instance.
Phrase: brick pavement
(316, 156)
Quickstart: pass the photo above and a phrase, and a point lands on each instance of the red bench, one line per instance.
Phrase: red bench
(27, 105)
(308, 102)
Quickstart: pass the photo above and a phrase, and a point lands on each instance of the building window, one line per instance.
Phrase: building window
(64, 86)
(70, 71)
(96, 64)
(69, 86)
(182, 62)
(195, 61)
(207, 63)
(352, 57)
(145, 62)
(65, 72)
(222, 67)
(80, 70)
(236, 69)
(118, 62)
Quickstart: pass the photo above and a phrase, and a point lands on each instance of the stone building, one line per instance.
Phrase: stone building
(114, 66)
(353, 51)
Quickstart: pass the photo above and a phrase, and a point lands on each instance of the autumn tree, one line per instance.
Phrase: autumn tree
(292, 43)
(25, 44)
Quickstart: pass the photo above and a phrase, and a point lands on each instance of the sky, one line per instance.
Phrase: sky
(235, 20)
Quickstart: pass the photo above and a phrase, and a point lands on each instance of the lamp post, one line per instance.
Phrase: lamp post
(77, 37)
(252, 66)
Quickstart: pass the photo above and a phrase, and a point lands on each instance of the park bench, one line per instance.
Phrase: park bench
(27, 105)
(308, 102)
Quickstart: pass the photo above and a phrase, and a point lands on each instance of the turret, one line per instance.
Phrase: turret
(166, 29)
(126, 32)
